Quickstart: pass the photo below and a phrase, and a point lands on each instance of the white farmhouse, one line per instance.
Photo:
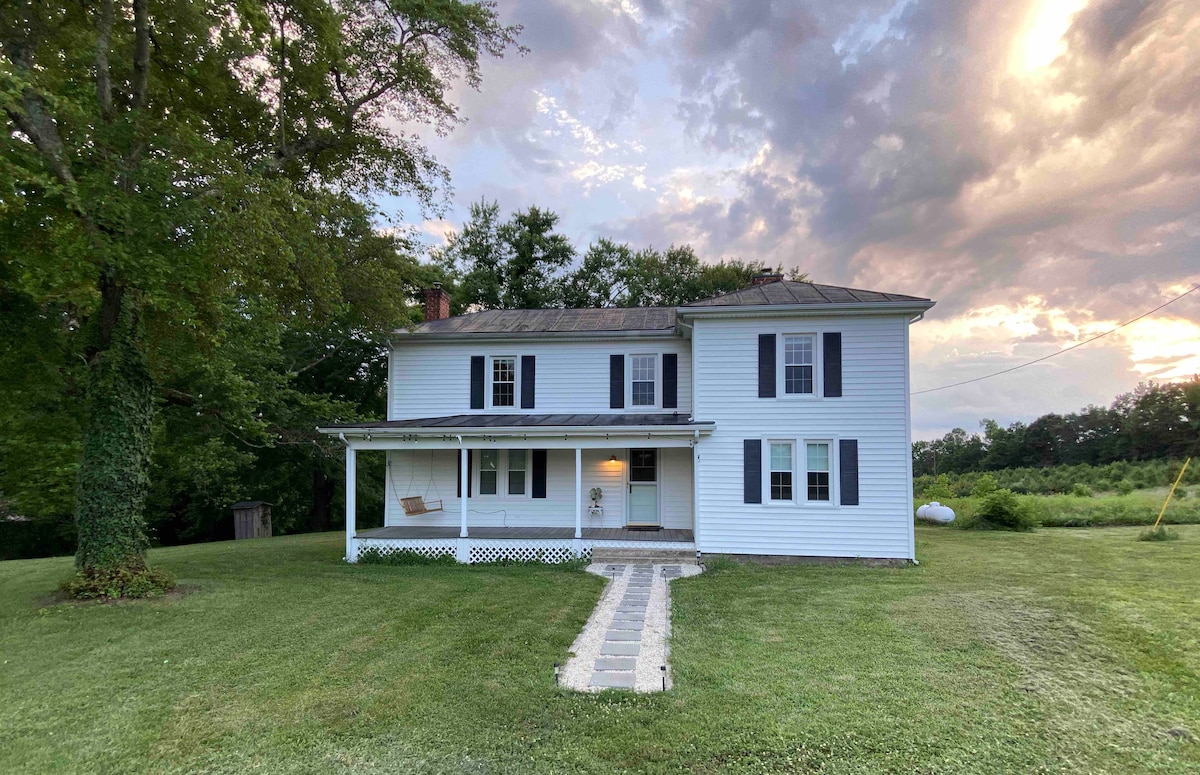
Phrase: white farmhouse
(773, 421)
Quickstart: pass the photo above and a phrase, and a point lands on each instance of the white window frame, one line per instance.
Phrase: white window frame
(658, 379)
(769, 500)
(834, 495)
(490, 380)
(781, 366)
(501, 476)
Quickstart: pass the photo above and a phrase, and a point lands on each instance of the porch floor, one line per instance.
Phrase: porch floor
(589, 533)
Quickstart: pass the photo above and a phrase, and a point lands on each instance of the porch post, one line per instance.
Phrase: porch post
(578, 492)
(351, 505)
(462, 529)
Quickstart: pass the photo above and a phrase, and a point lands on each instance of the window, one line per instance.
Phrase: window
(643, 465)
(516, 472)
(489, 460)
(781, 471)
(642, 368)
(818, 471)
(798, 364)
(504, 381)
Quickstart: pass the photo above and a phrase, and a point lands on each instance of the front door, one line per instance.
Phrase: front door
(643, 487)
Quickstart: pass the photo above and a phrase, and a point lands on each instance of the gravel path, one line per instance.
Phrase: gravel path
(624, 643)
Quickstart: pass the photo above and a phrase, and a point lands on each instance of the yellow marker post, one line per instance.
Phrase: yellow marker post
(1172, 492)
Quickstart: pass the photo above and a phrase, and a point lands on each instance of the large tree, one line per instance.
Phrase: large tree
(170, 166)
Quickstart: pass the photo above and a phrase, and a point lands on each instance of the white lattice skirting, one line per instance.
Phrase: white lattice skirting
(427, 547)
(473, 550)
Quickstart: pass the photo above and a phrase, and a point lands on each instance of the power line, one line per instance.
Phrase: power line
(1059, 352)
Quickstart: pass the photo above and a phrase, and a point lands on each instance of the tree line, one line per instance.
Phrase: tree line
(1154, 421)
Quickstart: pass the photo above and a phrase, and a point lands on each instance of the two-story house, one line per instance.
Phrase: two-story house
(771, 421)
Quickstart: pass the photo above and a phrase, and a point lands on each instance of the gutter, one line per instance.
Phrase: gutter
(587, 336)
(519, 430)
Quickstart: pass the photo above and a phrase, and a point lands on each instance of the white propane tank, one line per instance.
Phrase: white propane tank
(921, 511)
(936, 512)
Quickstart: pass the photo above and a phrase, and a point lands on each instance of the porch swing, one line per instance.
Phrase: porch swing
(416, 505)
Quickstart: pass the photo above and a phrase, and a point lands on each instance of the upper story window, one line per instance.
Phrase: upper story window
(818, 470)
(642, 372)
(798, 359)
(504, 381)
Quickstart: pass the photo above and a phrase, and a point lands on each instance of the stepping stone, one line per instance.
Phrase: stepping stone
(614, 680)
(623, 624)
(612, 568)
(631, 609)
(616, 663)
(643, 567)
(629, 616)
(613, 649)
(636, 600)
(624, 635)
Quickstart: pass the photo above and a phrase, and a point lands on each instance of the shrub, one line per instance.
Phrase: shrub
(1125, 487)
(112, 584)
(1160, 533)
(1003, 510)
(373, 556)
(1081, 490)
(940, 489)
(984, 486)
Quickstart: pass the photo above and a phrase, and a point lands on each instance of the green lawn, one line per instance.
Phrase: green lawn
(1061, 650)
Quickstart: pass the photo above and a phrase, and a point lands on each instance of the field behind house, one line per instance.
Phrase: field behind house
(1056, 651)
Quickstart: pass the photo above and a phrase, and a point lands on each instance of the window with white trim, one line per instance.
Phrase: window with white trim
(799, 351)
(782, 471)
(642, 370)
(818, 468)
(489, 471)
(516, 471)
(504, 381)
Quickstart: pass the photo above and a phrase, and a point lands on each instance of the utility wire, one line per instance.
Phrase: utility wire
(1059, 352)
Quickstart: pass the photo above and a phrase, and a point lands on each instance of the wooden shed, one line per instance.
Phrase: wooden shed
(251, 519)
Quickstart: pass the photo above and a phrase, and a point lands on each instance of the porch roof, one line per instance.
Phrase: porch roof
(673, 422)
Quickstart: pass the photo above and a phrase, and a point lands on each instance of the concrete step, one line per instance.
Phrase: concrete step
(622, 555)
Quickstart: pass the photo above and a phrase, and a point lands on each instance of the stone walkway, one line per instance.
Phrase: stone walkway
(624, 643)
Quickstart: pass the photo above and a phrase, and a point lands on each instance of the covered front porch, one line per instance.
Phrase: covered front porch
(550, 488)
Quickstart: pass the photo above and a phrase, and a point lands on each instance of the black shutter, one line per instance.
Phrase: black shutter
(476, 381)
(539, 473)
(670, 381)
(752, 471)
(458, 455)
(848, 466)
(766, 369)
(528, 377)
(833, 365)
(616, 382)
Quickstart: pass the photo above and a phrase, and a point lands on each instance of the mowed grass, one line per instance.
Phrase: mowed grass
(1060, 651)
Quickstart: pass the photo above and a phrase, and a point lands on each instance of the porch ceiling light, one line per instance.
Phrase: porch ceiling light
(613, 459)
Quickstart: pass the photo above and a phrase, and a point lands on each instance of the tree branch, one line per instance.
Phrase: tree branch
(103, 43)
(141, 54)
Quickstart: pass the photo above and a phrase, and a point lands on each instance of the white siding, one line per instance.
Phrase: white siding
(433, 474)
(873, 409)
(431, 379)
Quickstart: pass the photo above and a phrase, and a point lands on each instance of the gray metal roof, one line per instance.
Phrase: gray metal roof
(559, 321)
(459, 421)
(786, 292)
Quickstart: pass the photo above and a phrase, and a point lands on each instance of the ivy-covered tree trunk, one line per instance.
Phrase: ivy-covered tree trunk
(114, 472)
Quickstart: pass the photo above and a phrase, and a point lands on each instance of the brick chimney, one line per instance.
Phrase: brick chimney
(437, 303)
(764, 277)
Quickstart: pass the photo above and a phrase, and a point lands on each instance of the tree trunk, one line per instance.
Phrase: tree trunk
(114, 472)
(320, 514)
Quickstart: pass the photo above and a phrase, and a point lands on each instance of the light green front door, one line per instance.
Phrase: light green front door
(643, 487)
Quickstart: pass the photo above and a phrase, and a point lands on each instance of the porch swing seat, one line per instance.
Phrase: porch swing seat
(416, 506)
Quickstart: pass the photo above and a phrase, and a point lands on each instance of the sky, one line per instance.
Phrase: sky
(1032, 165)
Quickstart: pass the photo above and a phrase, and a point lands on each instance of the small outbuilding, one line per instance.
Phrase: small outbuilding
(251, 519)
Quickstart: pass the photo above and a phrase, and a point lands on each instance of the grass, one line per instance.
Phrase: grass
(1137, 508)
(1056, 651)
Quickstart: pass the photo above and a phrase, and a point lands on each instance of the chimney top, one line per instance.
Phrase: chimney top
(764, 277)
(437, 303)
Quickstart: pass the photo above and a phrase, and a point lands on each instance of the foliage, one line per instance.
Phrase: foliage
(1080, 490)
(939, 489)
(1001, 510)
(1062, 479)
(40, 537)
(1125, 487)
(984, 486)
(1155, 421)
(522, 263)
(1139, 509)
(1160, 533)
(190, 169)
(373, 556)
(124, 581)
(1000, 653)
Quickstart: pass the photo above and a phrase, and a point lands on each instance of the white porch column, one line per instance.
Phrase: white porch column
(351, 505)
(462, 529)
(578, 493)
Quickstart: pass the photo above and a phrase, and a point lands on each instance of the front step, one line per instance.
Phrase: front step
(609, 554)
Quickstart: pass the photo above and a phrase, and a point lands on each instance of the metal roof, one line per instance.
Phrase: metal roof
(459, 421)
(788, 292)
(559, 321)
